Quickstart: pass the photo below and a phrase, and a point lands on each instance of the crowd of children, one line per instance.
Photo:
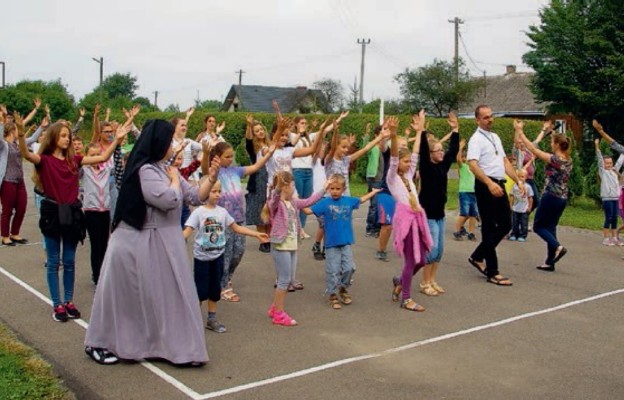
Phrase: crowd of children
(293, 173)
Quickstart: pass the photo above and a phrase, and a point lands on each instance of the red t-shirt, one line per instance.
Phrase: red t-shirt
(60, 183)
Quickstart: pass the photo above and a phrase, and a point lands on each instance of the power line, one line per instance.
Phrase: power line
(461, 38)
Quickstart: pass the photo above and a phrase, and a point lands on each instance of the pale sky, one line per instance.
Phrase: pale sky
(185, 47)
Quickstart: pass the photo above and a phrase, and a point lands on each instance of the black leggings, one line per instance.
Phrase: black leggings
(98, 228)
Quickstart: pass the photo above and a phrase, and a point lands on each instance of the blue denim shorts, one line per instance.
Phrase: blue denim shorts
(468, 204)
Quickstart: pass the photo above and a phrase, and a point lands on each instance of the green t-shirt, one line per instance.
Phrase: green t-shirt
(373, 162)
(466, 179)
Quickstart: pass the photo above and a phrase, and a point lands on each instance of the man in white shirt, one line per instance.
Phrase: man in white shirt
(487, 161)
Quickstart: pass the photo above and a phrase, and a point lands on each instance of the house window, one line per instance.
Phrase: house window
(560, 125)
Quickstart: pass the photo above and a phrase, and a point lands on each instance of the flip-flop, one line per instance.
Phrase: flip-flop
(476, 265)
(499, 281)
(560, 255)
(20, 241)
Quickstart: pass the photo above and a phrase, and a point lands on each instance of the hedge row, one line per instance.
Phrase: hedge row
(356, 123)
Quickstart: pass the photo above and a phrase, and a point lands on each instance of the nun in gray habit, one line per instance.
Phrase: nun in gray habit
(146, 303)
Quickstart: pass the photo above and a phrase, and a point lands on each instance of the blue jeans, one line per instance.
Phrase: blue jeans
(519, 224)
(339, 268)
(545, 223)
(38, 199)
(468, 204)
(303, 185)
(436, 227)
(53, 250)
(372, 225)
(610, 208)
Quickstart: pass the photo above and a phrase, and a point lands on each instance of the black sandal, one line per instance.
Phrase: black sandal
(476, 265)
(502, 281)
(549, 268)
(101, 356)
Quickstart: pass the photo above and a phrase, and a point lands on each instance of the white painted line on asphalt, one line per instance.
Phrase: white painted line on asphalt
(151, 367)
(296, 374)
(338, 363)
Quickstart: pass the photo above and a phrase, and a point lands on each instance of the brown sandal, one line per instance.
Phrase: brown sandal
(345, 297)
(334, 302)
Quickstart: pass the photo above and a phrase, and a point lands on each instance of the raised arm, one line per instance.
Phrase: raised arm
(599, 157)
(394, 140)
(248, 130)
(252, 169)
(35, 136)
(276, 108)
(542, 155)
(359, 153)
(189, 112)
(121, 133)
(462, 146)
(21, 141)
(308, 151)
(95, 137)
(369, 195)
(334, 142)
(78, 124)
(602, 132)
(32, 113)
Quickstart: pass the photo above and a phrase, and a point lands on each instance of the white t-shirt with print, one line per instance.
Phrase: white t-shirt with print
(209, 225)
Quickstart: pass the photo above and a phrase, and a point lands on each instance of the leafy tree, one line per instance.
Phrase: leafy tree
(391, 107)
(145, 104)
(19, 97)
(434, 88)
(577, 52)
(120, 85)
(332, 90)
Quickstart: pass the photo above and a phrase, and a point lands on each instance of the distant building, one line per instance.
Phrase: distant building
(510, 96)
(254, 98)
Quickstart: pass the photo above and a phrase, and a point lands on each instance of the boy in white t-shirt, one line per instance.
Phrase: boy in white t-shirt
(210, 222)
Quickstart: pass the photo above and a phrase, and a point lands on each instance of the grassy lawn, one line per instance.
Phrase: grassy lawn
(23, 375)
(583, 213)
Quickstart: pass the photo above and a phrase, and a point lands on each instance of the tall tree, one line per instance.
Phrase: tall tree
(433, 87)
(577, 52)
(332, 90)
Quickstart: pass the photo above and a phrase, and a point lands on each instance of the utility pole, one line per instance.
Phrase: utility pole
(3, 67)
(363, 42)
(456, 21)
(101, 62)
(156, 98)
(238, 106)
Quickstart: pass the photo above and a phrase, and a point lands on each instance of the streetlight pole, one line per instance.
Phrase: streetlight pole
(3, 67)
(101, 62)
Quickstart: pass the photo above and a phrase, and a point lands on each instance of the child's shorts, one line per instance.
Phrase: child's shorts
(468, 205)
(207, 276)
(385, 208)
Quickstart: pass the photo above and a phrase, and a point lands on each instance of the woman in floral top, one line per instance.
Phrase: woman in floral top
(555, 196)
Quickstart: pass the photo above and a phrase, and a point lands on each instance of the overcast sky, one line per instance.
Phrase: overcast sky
(185, 47)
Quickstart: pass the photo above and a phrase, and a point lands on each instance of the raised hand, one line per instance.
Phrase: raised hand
(597, 126)
(393, 124)
(272, 148)
(518, 125)
(97, 108)
(213, 171)
(342, 116)
(121, 132)
(314, 123)
(352, 139)
(135, 110)
(407, 132)
(189, 112)
(249, 119)
(47, 109)
(125, 112)
(81, 112)
(37, 102)
(220, 127)
(547, 126)
(453, 122)
(19, 123)
(45, 122)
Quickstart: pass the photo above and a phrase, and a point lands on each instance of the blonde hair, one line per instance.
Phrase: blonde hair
(338, 179)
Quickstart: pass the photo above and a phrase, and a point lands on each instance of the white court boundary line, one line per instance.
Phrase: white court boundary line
(252, 385)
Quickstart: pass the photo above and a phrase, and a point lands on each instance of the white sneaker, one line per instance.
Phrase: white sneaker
(608, 242)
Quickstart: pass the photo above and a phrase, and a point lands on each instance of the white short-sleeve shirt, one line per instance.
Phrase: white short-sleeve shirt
(487, 149)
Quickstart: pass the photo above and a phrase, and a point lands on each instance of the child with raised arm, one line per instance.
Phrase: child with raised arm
(283, 210)
(62, 219)
(521, 195)
(233, 200)
(467, 199)
(337, 213)
(412, 239)
(609, 194)
(210, 223)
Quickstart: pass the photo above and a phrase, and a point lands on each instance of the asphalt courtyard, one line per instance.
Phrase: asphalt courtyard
(550, 336)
